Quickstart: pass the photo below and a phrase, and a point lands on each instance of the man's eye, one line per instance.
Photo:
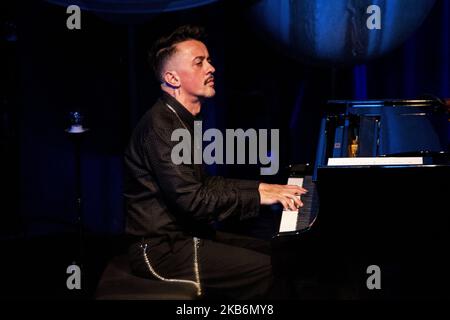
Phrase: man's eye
(199, 63)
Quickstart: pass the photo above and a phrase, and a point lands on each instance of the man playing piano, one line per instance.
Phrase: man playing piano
(171, 208)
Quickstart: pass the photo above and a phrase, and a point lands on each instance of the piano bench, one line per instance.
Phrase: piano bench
(118, 283)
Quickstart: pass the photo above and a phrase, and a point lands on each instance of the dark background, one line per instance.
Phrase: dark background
(102, 71)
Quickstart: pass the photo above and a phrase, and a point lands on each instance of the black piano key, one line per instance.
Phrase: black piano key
(308, 212)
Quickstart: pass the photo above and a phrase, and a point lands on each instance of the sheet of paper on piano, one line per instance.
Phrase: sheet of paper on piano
(289, 218)
(375, 161)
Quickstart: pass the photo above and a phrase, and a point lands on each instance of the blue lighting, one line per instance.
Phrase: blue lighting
(445, 75)
(337, 31)
(133, 7)
(360, 82)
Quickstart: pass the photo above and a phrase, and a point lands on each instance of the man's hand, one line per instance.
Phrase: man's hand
(287, 195)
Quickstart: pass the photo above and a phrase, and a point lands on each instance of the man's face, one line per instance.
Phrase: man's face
(192, 64)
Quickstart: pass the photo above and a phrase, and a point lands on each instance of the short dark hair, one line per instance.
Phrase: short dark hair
(164, 47)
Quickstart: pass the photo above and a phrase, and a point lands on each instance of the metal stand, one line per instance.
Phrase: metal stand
(76, 132)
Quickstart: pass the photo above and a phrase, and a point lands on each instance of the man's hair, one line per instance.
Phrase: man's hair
(165, 47)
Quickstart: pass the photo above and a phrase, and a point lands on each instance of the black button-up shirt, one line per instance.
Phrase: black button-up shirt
(165, 199)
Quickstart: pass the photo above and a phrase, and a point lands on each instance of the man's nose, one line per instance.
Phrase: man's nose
(211, 68)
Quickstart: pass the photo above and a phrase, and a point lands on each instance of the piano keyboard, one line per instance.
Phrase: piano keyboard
(303, 219)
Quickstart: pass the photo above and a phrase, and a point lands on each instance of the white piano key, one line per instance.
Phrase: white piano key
(289, 218)
(295, 181)
(288, 221)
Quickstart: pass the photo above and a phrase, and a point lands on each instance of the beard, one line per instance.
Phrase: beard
(210, 92)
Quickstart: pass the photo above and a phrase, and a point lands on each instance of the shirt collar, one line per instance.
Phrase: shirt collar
(187, 117)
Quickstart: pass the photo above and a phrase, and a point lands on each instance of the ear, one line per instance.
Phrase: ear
(171, 79)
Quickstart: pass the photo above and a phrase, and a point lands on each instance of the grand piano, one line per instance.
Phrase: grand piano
(380, 190)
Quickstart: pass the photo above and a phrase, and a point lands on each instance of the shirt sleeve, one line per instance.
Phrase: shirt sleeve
(244, 184)
(236, 183)
(207, 200)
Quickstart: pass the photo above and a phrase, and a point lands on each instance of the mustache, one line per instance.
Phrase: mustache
(209, 79)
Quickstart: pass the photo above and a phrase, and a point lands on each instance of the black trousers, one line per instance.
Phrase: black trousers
(230, 266)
